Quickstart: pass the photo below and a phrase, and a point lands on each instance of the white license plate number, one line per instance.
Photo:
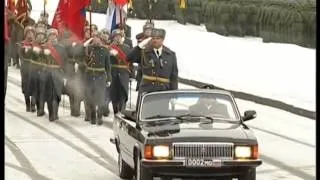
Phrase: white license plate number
(203, 162)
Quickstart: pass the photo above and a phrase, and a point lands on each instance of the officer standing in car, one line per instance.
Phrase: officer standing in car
(158, 63)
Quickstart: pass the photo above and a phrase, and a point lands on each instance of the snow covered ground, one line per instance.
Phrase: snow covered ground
(282, 72)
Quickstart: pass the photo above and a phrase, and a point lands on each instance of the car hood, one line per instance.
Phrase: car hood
(217, 131)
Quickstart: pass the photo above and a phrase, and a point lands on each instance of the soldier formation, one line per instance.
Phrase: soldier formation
(95, 71)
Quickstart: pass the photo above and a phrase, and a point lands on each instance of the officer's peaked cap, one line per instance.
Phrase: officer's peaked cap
(158, 33)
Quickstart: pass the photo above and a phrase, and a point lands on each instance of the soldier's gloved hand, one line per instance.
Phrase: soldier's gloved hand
(64, 82)
(108, 84)
(27, 48)
(74, 44)
(76, 67)
(87, 42)
(36, 50)
(113, 52)
(143, 43)
(47, 52)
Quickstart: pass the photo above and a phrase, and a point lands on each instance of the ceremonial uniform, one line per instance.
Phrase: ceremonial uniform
(38, 71)
(54, 58)
(26, 55)
(147, 28)
(120, 73)
(97, 64)
(159, 66)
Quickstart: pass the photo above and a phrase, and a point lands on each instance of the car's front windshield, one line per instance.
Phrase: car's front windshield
(188, 105)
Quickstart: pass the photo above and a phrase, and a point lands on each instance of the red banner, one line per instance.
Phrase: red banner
(71, 14)
(120, 2)
(22, 10)
(11, 5)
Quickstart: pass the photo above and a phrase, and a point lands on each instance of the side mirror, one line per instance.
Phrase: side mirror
(248, 115)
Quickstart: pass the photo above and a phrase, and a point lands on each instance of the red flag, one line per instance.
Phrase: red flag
(6, 29)
(11, 5)
(61, 16)
(72, 15)
(22, 10)
(120, 2)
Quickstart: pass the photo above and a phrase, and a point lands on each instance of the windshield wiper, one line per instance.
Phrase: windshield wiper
(190, 117)
(159, 116)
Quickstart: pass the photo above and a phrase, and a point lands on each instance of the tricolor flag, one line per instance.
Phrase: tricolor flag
(116, 13)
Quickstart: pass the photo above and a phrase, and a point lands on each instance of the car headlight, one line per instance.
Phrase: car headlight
(161, 151)
(243, 152)
(157, 152)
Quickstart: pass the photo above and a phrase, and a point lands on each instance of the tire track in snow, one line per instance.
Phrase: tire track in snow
(110, 167)
(27, 167)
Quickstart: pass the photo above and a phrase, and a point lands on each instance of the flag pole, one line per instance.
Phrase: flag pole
(90, 20)
(44, 6)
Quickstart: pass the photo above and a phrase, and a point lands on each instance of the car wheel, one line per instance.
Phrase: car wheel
(141, 172)
(250, 174)
(125, 171)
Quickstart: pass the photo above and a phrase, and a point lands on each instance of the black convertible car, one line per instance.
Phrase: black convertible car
(186, 134)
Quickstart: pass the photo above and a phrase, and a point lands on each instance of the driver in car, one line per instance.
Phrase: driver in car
(208, 106)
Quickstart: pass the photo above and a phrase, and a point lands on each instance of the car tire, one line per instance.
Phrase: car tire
(125, 171)
(141, 172)
(250, 174)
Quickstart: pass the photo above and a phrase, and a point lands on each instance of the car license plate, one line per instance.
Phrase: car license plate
(203, 162)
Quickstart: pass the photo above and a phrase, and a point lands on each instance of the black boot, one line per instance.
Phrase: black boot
(55, 107)
(50, 109)
(93, 115)
(115, 108)
(87, 116)
(33, 104)
(76, 107)
(99, 116)
(106, 110)
(28, 105)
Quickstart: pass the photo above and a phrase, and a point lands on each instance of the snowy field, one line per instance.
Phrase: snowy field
(283, 72)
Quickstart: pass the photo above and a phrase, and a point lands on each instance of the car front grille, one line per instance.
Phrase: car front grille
(203, 150)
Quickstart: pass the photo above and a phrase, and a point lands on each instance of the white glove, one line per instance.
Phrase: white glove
(113, 52)
(108, 84)
(73, 44)
(36, 50)
(87, 42)
(47, 52)
(64, 82)
(76, 66)
(27, 48)
(143, 43)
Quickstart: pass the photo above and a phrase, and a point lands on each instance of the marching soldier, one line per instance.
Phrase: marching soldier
(104, 34)
(97, 64)
(37, 70)
(158, 64)
(54, 57)
(18, 32)
(120, 72)
(69, 74)
(26, 57)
